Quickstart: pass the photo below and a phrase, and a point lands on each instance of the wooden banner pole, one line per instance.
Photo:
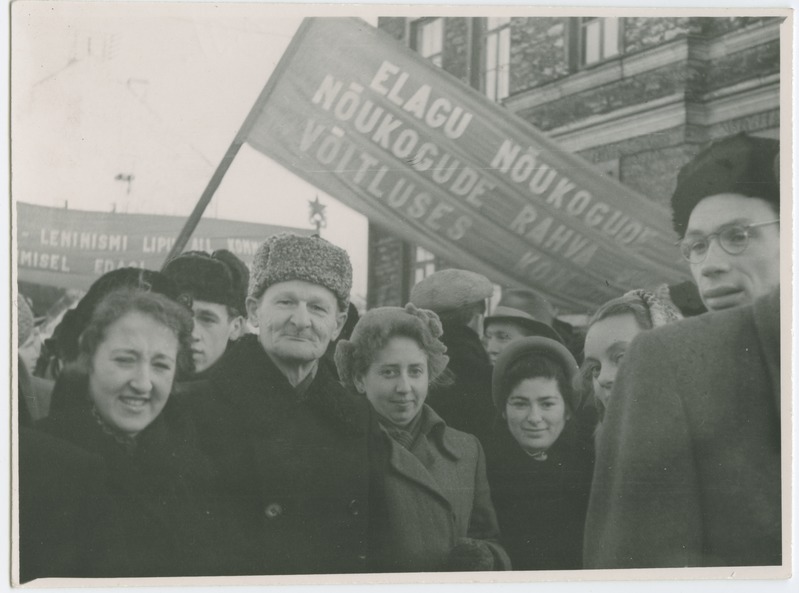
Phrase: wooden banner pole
(241, 137)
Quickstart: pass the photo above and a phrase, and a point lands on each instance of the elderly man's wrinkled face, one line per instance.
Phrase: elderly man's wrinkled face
(296, 320)
(726, 279)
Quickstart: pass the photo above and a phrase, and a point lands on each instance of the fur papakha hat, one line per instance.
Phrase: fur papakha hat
(447, 290)
(529, 347)
(739, 164)
(217, 278)
(287, 257)
(378, 326)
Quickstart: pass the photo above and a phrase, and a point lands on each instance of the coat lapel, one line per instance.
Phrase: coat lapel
(404, 463)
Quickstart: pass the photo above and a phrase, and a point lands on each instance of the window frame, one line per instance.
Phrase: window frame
(417, 38)
(494, 89)
(577, 45)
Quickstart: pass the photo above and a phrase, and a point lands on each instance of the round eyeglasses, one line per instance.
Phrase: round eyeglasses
(733, 239)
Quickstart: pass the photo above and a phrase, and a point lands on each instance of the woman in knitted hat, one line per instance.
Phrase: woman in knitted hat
(538, 468)
(438, 513)
(116, 406)
(610, 332)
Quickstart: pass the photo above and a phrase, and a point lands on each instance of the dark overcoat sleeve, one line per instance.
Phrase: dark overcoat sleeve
(688, 469)
(483, 522)
(644, 509)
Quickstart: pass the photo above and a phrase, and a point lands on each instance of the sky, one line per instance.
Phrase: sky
(156, 91)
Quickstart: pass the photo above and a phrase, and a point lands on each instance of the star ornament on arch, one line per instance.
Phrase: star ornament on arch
(318, 215)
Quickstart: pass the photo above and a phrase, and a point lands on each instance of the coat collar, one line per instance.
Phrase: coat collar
(249, 379)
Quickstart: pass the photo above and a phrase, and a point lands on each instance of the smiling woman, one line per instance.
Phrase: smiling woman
(438, 513)
(539, 468)
(157, 519)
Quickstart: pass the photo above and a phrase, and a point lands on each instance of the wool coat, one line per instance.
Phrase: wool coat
(65, 511)
(465, 403)
(688, 460)
(162, 517)
(436, 494)
(541, 504)
(296, 469)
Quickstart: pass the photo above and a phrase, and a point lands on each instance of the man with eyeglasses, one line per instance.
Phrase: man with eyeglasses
(726, 211)
(688, 464)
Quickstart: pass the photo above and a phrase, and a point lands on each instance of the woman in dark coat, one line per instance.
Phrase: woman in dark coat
(539, 468)
(438, 513)
(160, 519)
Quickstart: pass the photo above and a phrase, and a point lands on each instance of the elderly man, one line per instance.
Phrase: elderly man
(688, 462)
(216, 286)
(289, 442)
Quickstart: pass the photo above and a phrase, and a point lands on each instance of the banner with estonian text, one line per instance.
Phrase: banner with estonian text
(72, 248)
(386, 132)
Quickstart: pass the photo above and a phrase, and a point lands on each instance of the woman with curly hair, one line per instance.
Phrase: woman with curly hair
(145, 504)
(438, 513)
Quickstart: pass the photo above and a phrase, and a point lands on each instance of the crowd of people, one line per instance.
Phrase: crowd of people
(212, 419)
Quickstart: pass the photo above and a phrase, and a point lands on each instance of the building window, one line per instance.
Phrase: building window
(496, 70)
(428, 39)
(599, 39)
(423, 265)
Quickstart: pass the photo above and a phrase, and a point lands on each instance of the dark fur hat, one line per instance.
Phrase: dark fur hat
(219, 278)
(739, 164)
(75, 320)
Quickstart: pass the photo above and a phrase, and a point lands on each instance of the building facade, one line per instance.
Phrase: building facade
(637, 97)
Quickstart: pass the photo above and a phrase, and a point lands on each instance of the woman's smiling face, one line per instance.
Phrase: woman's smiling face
(132, 371)
(536, 413)
(397, 380)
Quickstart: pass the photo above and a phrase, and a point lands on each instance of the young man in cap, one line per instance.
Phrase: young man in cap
(459, 299)
(689, 457)
(290, 444)
(519, 314)
(216, 286)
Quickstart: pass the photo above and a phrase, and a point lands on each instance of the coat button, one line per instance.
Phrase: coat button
(272, 511)
(354, 507)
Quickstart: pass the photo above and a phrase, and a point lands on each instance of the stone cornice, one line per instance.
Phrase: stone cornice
(732, 102)
(627, 65)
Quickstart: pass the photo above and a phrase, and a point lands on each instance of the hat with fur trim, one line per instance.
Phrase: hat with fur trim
(739, 164)
(218, 278)
(378, 326)
(75, 320)
(528, 309)
(528, 347)
(447, 290)
(311, 259)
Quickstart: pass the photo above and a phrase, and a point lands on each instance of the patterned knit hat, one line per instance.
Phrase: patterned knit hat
(287, 257)
(659, 304)
(739, 164)
(220, 278)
